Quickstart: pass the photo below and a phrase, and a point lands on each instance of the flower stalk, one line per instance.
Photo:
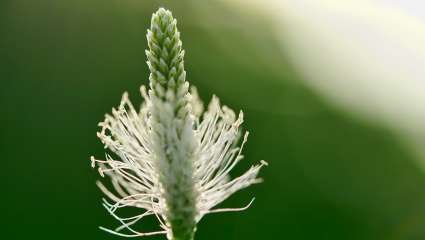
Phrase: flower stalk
(172, 125)
(172, 160)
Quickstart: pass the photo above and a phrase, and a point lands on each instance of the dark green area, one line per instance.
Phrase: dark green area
(63, 64)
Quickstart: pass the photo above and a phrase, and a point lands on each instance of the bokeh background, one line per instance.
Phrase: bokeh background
(332, 91)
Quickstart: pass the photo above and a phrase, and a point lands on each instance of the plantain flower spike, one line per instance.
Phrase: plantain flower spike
(171, 160)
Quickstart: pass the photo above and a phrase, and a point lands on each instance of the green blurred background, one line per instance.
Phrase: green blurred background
(65, 63)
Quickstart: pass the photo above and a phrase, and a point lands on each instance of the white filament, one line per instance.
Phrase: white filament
(135, 179)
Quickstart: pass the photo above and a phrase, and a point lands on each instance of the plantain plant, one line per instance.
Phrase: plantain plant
(171, 158)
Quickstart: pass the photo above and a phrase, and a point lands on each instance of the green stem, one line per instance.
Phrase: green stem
(172, 124)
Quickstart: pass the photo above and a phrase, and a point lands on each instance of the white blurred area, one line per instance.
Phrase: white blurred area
(367, 57)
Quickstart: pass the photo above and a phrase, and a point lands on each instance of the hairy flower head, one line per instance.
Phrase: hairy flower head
(171, 159)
